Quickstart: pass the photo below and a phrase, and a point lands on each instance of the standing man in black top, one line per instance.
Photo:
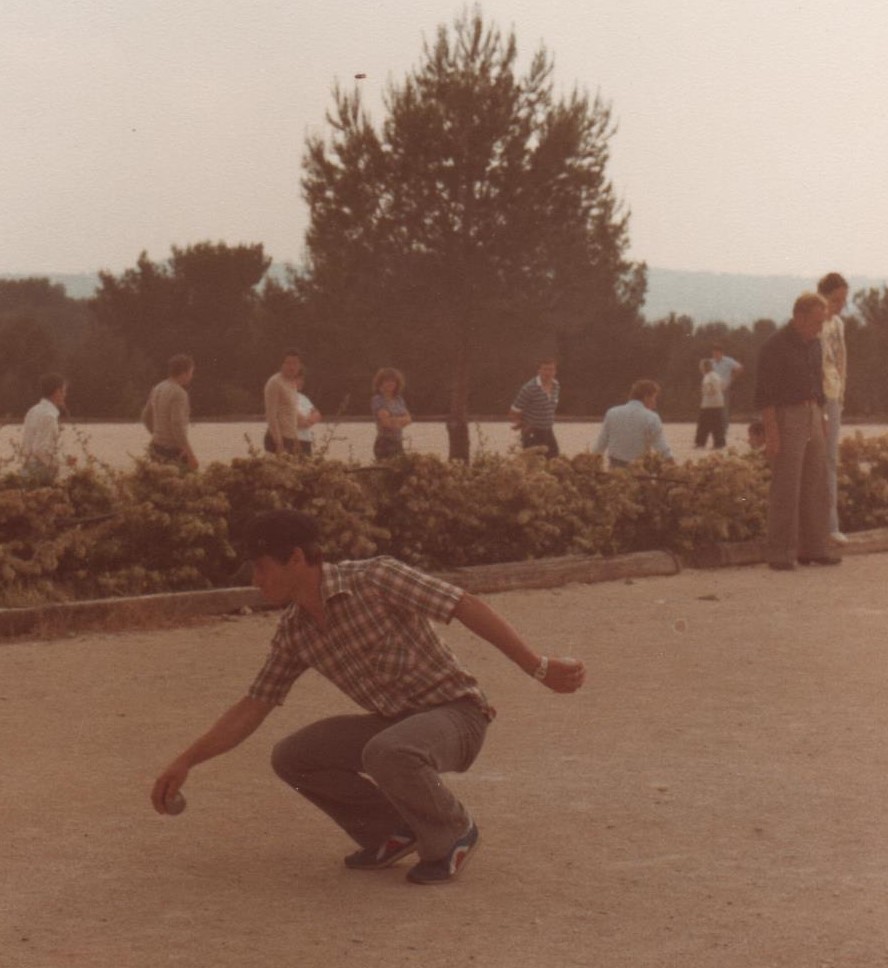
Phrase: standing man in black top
(789, 393)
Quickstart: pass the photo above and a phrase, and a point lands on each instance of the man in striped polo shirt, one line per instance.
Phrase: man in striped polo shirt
(533, 412)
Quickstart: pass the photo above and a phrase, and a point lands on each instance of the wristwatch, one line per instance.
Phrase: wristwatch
(542, 668)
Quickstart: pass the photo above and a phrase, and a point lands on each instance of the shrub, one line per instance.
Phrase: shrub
(863, 482)
(35, 538)
(679, 508)
(331, 490)
(157, 528)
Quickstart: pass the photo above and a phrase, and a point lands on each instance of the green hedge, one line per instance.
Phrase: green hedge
(100, 533)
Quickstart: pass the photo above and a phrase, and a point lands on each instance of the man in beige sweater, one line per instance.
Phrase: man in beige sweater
(167, 412)
(281, 406)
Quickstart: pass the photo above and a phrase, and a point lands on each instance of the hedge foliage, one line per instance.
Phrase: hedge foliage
(99, 532)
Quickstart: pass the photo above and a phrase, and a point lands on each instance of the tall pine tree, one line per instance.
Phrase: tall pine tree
(478, 221)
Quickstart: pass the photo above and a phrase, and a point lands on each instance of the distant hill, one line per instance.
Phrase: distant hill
(724, 297)
(77, 286)
(704, 296)
(83, 285)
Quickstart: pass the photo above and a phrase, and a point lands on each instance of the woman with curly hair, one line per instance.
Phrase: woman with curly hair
(390, 412)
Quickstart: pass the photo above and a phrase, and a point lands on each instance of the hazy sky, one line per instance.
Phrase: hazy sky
(753, 134)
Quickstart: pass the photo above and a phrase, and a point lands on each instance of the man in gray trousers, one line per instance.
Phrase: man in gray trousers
(789, 393)
(365, 625)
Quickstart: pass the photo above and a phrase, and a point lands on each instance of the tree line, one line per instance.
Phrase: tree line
(114, 347)
(471, 233)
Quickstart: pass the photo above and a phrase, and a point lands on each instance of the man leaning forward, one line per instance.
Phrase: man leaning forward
(365, 626)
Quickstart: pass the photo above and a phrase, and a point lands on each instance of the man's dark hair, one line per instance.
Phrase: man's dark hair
(279, 533)
(179, 364)
(830, 282)
(292, 351)
(49, 383)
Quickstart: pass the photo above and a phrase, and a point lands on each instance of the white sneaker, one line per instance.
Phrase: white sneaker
(839, 538)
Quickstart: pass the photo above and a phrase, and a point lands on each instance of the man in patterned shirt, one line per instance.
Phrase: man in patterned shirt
(533, 412)
(365, 626)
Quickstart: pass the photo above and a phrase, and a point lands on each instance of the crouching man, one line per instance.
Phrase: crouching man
(365, 625)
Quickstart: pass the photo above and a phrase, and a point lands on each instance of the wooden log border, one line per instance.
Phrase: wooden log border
(733, 553)
(47, 621)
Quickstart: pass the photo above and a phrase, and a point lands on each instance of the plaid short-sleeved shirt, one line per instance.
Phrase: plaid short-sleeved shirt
(379, 646)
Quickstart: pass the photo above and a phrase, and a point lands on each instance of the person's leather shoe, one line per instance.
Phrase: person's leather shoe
(822, 560)
(781, 565)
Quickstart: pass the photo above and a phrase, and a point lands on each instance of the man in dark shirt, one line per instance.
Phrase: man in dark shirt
(789, 393)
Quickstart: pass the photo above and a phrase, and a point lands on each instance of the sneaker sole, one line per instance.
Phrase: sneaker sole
(382, 865)
(464, 863)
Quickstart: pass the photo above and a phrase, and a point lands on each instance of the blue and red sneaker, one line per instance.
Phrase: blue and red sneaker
(446, 868)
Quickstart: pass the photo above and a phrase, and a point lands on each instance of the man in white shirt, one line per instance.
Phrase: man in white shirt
(712, 405)
(834, 289)
(728, 369)
(631, 430)
(40, 432)
(307, 416)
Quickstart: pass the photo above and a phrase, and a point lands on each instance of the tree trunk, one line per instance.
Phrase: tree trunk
(458, 418)
(458, 435)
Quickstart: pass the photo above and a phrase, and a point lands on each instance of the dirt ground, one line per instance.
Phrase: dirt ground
(714, 796)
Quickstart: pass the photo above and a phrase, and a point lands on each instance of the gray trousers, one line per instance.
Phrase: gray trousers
(798, 507)
(833, 427)
(376, 776)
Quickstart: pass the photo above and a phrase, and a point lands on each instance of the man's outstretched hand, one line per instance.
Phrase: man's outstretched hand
(564, 675)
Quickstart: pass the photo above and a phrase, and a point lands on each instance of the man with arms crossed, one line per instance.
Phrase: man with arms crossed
(167, 413)
(789, 393)
(365, 626)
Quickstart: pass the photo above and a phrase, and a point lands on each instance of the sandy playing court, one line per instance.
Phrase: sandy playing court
(119, 444)
(715, 796)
